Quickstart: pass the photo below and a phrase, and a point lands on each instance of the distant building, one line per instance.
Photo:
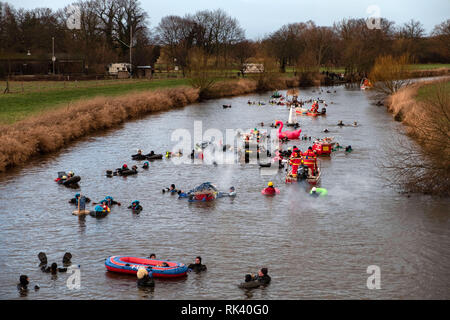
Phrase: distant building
(253, 68)
(144, 72)
(116, 69)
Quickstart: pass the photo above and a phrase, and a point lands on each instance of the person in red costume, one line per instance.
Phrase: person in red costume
(295, 161)
(310, 159)
(270, 189)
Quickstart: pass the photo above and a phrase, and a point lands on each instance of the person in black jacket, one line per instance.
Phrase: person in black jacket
(144, 279)
(197, 266)
(23, 283)
(263, 277)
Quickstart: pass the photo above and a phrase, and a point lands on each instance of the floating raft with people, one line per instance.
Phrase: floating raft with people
(130, 265)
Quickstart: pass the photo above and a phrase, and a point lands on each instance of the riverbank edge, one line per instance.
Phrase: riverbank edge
(423, 115)
(404, 104)
(58, 128)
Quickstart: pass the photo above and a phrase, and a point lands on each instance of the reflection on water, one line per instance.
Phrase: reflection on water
(314, 248)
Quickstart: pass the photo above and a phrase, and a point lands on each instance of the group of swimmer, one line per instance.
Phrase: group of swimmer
(183, 194)
(104, 206)
(24, 280)
(259, 103)
(144, 274)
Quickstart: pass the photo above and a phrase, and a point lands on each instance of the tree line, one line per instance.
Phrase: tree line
(210, 37)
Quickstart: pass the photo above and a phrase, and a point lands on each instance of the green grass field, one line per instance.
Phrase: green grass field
(32, 97)
(429, 66)
(44, 95)
(429, 91)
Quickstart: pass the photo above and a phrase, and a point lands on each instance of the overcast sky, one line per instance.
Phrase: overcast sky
(260, 17)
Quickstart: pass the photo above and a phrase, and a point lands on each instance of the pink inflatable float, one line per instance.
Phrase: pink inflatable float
(287, 134)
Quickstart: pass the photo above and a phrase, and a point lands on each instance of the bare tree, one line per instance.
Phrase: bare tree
(442, 33)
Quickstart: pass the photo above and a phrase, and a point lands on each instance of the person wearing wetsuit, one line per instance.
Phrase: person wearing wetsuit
(254, 281)
(144, 278)
(110, 201)
(231, 193)
(42, 258)
(171, 189)
(263, 277)
(197, 266)
(135, 207)
(249, 283)
(314, 193)
(124, 168)
(66, 258)
(22, 286)
(76, 198)
(53, 269)
(138, 155)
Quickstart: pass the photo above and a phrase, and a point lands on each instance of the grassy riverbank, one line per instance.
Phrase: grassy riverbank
(424, 108)
(41, 96)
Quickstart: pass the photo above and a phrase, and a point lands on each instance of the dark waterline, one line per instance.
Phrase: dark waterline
(314, 248)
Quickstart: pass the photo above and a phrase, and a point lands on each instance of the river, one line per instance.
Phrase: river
(314, 248)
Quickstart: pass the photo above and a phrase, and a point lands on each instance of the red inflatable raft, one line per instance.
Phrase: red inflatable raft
(131, 265)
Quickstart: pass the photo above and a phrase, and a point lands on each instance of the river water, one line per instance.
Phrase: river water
(314, 248)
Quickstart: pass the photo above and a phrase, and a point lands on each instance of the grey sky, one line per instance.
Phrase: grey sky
(259, 17)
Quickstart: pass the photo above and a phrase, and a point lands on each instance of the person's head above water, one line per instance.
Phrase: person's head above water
(24, 280)
(314, 189)
(270, 184)
(141, 273)
(172, 186)
(263, 272)
(152, 256)
(198, 260)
